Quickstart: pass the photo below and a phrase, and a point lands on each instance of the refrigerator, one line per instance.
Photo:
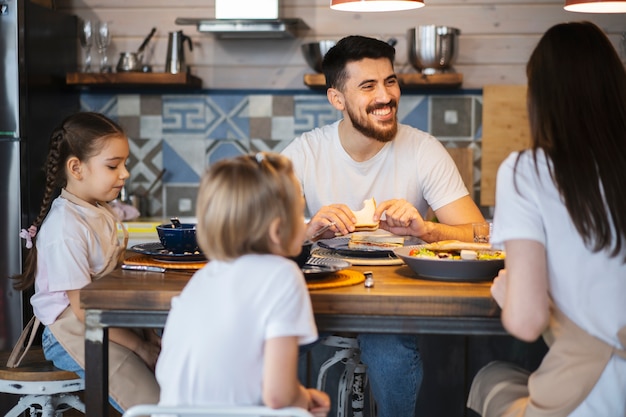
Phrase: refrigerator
(38, 46)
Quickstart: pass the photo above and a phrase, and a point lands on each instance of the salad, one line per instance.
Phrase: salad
(463, 254)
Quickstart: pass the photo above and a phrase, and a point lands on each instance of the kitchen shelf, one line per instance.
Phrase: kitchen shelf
(132, 79)
(407, 81)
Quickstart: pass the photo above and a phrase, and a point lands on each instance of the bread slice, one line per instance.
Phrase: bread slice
(368, 241)
(364, 217)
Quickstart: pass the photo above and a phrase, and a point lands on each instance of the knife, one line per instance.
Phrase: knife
(144, 268)
(319, 233)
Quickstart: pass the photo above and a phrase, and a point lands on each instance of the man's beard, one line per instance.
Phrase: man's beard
(371, 130)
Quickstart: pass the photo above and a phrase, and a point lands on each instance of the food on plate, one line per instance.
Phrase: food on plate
(364, 216)
(369, 241)
(455, 249)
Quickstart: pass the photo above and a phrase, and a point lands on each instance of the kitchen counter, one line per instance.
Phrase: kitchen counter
(143, 229)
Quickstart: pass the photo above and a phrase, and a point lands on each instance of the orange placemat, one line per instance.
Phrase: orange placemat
(343, 278)
(148, 261)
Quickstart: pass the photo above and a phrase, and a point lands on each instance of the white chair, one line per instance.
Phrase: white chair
(147, 410)
(45, 391)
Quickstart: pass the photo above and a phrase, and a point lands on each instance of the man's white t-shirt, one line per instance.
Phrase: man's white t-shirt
(590, 288)
(414, 166)
(213, 342)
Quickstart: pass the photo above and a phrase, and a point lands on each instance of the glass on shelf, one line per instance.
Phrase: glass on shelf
(103, 40)
(85, 36)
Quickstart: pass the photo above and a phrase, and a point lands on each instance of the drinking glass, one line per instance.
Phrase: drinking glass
(103, 40)
(482, 232)
(85, 37)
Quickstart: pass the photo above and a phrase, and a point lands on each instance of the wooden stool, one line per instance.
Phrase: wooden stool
(45, 390)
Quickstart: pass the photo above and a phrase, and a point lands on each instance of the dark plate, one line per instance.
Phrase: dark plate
(450, 269)
(158, 252)
(339, 245)
(317, 268)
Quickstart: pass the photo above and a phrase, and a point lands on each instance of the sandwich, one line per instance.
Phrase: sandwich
(364, 217)
(375, 241)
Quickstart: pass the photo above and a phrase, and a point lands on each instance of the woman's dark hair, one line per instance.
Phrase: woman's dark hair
(81, 135)
(577, 112)
(350, 49)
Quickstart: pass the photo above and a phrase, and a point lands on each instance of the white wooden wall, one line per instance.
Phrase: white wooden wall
(497, 36)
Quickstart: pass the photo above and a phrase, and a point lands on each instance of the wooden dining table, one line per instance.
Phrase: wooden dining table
(399, 302)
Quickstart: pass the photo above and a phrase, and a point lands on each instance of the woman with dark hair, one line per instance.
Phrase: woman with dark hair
(561, 215)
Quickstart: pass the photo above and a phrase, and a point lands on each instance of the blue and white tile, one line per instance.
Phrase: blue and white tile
(128, 105)
(101, 103)
(217, 149)
(260, 105)
(313, 111)
(283, 128)
(414, 111)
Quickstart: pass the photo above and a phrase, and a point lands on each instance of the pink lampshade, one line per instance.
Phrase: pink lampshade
(375, 5)
(595, 6)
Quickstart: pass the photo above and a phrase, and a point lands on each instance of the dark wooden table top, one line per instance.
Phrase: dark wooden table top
(397, 292)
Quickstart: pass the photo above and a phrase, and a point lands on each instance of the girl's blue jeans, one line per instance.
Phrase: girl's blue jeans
(54, 352)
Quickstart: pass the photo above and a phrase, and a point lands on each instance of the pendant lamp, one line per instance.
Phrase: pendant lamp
(595, 6)
(375, 5)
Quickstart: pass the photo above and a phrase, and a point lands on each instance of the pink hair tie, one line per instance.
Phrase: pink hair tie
(28, 235)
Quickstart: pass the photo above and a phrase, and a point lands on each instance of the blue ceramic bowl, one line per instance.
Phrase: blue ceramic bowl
(304, 254)
(178, 239)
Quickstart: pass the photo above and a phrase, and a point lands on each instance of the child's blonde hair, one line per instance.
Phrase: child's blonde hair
(239, 198)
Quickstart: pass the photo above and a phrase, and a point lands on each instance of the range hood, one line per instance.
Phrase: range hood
(247, 28)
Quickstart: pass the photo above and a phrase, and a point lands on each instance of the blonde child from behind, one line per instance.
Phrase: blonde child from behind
(232, 336)
(73, 241)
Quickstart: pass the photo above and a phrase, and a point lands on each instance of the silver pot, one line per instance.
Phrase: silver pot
(132, 61)
(314, 52)
(129, 61)
(433, 49)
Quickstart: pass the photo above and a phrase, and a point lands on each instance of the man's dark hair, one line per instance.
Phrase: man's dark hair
(350, 49)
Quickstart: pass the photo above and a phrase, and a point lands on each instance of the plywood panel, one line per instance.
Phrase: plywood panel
(464, 160)
(496, 38)
(505, 129)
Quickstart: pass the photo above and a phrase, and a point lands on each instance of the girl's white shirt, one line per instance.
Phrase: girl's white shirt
(75, 243)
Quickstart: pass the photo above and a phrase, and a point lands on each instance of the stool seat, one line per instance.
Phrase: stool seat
(45, 390)
(34, 367)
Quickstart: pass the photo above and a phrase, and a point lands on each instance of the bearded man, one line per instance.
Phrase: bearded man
(369, 154)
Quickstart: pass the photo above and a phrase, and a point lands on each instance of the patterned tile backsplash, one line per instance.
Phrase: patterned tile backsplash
(184, 133)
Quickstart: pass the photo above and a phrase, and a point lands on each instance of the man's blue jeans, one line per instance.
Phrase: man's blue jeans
(394, 369)
(53, 351)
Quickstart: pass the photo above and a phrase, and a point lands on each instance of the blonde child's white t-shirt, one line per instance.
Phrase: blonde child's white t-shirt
(212, 346)
(71, 247)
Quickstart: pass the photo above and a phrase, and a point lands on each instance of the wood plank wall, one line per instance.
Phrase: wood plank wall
(496, 39)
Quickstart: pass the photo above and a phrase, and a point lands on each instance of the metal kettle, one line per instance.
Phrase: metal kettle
(175, 61)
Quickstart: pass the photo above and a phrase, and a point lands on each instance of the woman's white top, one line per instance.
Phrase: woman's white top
(590, 288)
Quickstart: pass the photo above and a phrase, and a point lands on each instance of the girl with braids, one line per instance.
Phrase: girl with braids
(253, 300)
(73, 241)
(561, 214)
